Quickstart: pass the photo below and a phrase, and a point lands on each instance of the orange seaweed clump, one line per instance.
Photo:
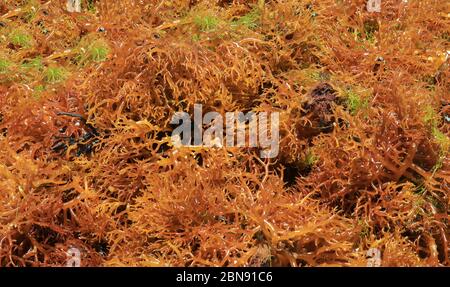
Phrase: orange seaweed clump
(86, 159)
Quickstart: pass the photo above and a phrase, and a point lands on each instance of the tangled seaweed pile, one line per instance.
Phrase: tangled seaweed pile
(86, 159)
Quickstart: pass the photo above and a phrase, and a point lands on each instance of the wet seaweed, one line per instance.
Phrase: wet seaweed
(86, 159)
